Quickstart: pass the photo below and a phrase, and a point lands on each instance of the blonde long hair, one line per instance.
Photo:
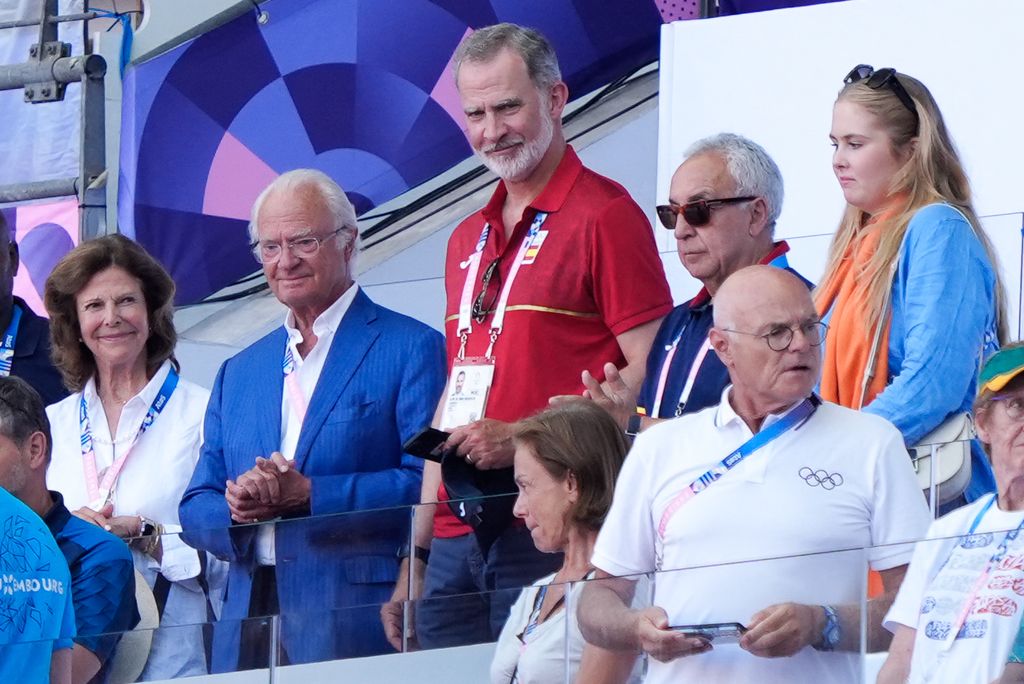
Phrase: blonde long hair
(932, 173)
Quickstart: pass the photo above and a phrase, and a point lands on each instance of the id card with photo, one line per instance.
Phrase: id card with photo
(468, 387)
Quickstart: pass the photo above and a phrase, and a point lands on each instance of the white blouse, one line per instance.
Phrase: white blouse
(156, 473)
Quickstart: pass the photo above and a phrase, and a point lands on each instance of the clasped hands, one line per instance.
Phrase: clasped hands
(271, 488)
(778, 631)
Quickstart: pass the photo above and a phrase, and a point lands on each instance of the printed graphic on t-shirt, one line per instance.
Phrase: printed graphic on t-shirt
(30, 595)
(998, 597)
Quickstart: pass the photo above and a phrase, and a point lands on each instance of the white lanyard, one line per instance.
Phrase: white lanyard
(466, 301)
(99, 492)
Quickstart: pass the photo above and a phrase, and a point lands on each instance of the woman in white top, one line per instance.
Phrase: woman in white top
(126, 442)
(958, 612)
(566, 461)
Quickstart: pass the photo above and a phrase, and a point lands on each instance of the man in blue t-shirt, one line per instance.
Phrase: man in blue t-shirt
(724, 201)
(37, 620)
(101, 566)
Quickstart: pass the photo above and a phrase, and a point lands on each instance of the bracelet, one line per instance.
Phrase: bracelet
(831, 633)
(633, 425)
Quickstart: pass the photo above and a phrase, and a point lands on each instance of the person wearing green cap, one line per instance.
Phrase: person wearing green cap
(958, 612)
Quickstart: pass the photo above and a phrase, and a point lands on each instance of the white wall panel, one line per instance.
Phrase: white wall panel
(777, 79)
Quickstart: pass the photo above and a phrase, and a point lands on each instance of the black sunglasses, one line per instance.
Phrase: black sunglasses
(697, 213)
(883, 78)
(481, 307)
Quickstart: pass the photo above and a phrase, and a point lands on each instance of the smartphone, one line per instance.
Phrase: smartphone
(428, 443)
(718, 632)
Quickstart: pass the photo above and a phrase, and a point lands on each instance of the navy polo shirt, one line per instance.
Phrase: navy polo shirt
(686, 328)
(102, 580)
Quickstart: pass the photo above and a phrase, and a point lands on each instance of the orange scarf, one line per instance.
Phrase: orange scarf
(848, 345)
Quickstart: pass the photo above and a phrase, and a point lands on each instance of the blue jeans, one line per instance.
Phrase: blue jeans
(466, 596)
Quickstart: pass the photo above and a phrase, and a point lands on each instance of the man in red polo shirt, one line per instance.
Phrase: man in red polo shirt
(555, 275)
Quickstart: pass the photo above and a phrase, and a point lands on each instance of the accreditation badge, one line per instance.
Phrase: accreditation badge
(468, 387)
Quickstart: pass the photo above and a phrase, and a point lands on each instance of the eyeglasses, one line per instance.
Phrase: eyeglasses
(697, 213)
(1014, 404)
(481, 310)
(303, 247)
(780, 337)
(883, 78)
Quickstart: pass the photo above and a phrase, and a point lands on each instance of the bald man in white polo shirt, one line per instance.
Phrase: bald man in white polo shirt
(786, 477)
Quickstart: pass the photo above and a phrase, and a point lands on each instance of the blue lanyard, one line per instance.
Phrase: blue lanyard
(99, 492)
(1010, 536)
(792, 420)
(8, 342)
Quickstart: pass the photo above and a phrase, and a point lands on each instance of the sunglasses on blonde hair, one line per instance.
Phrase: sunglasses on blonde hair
(883, 78)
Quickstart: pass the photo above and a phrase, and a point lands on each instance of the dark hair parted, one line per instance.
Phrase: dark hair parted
(70, 276)
(578, 437)
(22, 412)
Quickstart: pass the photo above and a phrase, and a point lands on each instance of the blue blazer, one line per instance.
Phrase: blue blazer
(380, 384)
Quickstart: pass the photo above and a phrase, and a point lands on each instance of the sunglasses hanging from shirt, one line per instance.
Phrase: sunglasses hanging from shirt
(470, 380)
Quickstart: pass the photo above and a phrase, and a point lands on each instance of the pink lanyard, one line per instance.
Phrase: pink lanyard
(666, 366)
(99, 492)
(296, 399)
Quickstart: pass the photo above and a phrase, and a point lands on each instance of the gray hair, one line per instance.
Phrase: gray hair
(330, 193)
(484, 44)
(753, 169)
(22, 412)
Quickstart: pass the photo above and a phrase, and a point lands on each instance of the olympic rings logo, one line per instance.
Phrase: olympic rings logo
(824, 479)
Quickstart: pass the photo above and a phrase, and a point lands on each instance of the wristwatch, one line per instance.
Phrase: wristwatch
(831, 633)
(421, 553)
(150, 535)
(633, 425)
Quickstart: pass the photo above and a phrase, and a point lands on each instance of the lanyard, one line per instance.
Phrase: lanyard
(792, 420)
(666, 366)
(534, 620)
(296, 399)
(9, 339)
(466, 301)
(99, 492)
(778, 262)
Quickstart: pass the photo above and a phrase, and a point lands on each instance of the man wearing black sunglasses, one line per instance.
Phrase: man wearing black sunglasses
(724, 201)
(558, 273)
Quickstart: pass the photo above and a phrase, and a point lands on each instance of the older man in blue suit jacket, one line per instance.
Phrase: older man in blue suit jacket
(309, 421)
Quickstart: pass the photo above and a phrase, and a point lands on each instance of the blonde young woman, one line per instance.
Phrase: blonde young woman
(909, 256)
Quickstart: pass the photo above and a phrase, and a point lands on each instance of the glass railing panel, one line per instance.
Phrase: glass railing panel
(958, 613)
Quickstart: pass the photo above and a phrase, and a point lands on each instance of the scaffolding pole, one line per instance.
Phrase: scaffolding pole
(44, 77)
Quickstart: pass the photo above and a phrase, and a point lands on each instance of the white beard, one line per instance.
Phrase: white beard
(520, 165)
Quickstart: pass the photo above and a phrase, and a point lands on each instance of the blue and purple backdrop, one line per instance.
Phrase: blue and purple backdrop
(359, 89)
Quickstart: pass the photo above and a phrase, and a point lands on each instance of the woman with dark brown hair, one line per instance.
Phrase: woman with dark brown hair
(127, 440)
(567, 459)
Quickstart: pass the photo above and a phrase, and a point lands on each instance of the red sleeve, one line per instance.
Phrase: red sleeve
(629, 279)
